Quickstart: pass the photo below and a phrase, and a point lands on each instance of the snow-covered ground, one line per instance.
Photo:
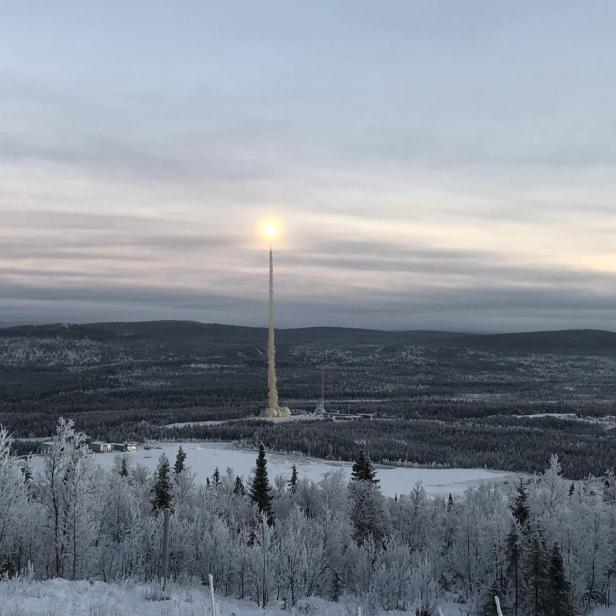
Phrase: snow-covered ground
(204, 457)
(64, 598)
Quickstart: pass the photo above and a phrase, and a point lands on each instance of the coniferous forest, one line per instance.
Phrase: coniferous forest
(436, 398)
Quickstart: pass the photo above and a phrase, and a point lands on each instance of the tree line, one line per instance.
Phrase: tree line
(584, 449)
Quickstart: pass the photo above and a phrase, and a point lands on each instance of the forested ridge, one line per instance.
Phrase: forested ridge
(438, 398)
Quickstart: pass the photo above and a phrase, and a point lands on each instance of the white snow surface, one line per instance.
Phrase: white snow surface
(204, 457)
(60, 597)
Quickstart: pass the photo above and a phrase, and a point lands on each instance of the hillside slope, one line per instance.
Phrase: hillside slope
(182, 336)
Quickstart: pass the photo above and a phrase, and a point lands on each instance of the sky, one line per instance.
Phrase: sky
(431, 164)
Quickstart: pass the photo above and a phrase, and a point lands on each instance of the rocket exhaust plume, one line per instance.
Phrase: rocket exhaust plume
(273, 408)
(272, 386)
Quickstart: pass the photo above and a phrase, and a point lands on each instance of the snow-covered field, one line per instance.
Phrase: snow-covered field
(64, 598)
(204, 457)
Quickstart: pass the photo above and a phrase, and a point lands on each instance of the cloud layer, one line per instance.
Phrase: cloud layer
(434, 165)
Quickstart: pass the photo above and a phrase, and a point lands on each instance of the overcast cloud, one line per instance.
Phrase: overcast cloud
(444, 165)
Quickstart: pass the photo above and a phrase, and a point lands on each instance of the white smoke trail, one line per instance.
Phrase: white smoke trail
(272, 387)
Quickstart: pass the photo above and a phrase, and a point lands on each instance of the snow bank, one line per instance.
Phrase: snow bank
(65, 598)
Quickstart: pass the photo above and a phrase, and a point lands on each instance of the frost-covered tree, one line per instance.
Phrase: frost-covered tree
(184, 488)
(263, 551)
(300, 556)
(14, 499)
(61, 491)
(367, 512)
(162, 496)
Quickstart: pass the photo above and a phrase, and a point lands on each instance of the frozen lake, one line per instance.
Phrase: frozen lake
(204, 457)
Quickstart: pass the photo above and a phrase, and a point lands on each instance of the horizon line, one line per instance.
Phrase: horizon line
(7, 325)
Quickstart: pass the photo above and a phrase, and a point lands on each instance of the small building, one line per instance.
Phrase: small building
(125, 447)
(343, 417)
(100, 447)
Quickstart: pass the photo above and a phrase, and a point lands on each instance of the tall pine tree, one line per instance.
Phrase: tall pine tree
(488, 606)
(536, 576)
(260, 488)
(161, 491)
(520, 509)
(363, 469)
(293, 481)
(514, 566)
(335, 586)
(180, 461)
(238, 489)
(124, 467)
(558, 602)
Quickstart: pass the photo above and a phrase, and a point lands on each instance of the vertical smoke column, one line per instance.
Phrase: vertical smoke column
(272, 388)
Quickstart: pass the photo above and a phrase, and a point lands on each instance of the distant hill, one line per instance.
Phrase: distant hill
(563, 342)
(192, 334)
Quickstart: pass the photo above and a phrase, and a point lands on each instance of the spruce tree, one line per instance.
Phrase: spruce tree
(238, 489)
(123, 472)
(520, 509)
(488, 606)
(293, 481)
(336, 587)
(161, 492)
(216, 477)
(514, 557)
(363, 469)
(26, 471)
(260, 488)
(536, 575)
(367, 514)
(558, 603)
(180, 461)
